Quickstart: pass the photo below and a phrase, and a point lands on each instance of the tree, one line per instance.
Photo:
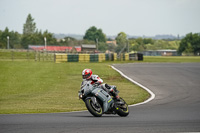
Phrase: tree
(3, 38)
(111, 47)
(148, 41)
(34, 37)
(121, 42)
(14, 38)
(68, 41)
(37, 38)
(102, 46)
(93, 34)
(49, 36)
(29, 26)
(1, 44)
(190, 43)
(121, 38)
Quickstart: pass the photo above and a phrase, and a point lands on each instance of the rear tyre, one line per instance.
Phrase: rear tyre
(95, 110)
(122, 108)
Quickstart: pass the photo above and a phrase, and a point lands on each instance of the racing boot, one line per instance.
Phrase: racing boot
(112, 90)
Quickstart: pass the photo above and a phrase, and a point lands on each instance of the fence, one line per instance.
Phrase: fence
(30, 55)
(17, 55)
(160, 53)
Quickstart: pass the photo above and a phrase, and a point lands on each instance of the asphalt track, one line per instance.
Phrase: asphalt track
(176, 107)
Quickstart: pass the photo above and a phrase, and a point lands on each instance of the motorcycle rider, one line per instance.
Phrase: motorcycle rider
(95, 79)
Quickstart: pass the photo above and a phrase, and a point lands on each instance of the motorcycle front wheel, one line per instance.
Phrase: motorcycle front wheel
(94, 109)
(122, 108)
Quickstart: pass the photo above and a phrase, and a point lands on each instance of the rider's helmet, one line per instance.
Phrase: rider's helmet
(87, 73)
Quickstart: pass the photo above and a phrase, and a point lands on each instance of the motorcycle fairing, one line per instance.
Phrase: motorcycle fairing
(104, 97)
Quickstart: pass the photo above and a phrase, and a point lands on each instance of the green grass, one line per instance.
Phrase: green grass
(25, 55)
(175, 59)
(16, 54)
(43, 87)
(163, 59)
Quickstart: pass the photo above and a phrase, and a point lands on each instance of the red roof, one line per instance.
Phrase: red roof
(78, 49)
(54, 48)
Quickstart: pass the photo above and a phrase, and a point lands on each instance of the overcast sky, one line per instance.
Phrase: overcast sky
(134, 17)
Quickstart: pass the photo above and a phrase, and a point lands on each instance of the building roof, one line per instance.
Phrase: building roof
(166, 50)
(88, 46)
(112, 42)
(162, 50)
(54, 48)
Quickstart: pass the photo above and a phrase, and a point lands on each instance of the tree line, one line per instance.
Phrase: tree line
(33, 36)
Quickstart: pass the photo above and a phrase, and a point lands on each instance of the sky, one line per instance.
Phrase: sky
(134, 17)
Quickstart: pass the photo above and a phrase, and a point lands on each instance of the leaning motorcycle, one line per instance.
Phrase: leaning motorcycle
(99, 102)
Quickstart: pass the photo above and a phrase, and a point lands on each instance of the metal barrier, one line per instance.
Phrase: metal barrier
(65, 57)
(96, 57)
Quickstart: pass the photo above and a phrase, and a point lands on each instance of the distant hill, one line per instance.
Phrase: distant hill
(156, 37)
(159, 37)
(61, 36)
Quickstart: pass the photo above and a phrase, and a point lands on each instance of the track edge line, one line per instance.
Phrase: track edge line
(148, 100)
(135, 82)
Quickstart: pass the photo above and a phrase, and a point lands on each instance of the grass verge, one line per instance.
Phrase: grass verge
(44, 87)
(175, 59)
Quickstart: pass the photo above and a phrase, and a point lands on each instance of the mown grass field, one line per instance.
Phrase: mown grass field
(43, 87)
(175, 59)
(17, 55)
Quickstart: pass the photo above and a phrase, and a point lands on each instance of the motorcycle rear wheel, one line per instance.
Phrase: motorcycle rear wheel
(93, 109)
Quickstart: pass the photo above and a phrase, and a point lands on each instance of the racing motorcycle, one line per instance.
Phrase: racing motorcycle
(99, 102)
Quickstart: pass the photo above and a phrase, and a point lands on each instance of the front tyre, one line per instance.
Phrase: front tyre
(122, 108)
(94, 109)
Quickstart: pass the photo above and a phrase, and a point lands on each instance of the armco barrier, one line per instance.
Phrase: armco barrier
(111, 57)
(72, 57)
(122, 57)
(84, 57)
(102, 57)
(136, 56)
(133, 56)
(126, 56)
(115, 56)
(140, 56)
(60, 58)
(107, 57)
(96, 57)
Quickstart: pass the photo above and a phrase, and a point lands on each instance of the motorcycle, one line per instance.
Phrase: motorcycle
(99, 102)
